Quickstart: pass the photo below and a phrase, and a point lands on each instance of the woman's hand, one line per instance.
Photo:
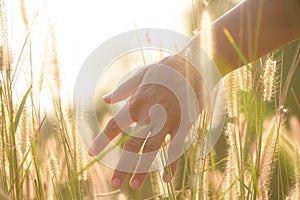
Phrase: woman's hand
(165, 98)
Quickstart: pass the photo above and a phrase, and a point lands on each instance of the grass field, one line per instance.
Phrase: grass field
(42, 157)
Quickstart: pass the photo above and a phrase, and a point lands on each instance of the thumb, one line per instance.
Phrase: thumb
(126, 88)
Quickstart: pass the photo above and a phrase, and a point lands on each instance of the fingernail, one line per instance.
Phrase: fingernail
(116, 182)
(91, 151)
(135, 184)
(106, 96)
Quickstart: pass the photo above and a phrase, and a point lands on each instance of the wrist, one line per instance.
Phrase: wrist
(191, 74)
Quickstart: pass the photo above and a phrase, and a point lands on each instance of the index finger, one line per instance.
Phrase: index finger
(120, 121)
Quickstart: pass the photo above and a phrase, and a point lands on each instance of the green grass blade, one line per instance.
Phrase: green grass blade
(19, 112)
(24, 178)
(235, 47)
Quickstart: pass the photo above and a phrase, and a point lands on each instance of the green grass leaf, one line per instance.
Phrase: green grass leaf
(235, 47)
(19, 112)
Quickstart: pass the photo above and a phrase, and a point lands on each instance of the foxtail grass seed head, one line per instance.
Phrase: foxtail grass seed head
(54, 58)
(231, 168)
(6, 55)
(297, 172)
(268, 151)
(24, 133)
(81, 158)
(245, 78)
(43, 68)
(206, 178)
(295, 192)
(53, 166)
(231, 94)
(269, 79)
(24, 15)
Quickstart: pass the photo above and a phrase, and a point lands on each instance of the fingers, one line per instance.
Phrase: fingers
(126, 88)
(119, 122)
(123, 118)
(150, 149)
(126, 163)
(129, 155)
(176, 147)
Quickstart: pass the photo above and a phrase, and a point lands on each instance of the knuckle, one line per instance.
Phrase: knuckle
(111, 126)
(150, 147)
(142, 94)
(132, 145)
(135, 102)
(138, 106)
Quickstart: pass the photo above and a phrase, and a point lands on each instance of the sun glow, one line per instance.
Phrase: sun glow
(76, 28)
(206, 40)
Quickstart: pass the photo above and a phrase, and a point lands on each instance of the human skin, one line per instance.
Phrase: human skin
(257, 27)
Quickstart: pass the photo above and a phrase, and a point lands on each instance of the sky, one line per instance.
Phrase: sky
(82, 25)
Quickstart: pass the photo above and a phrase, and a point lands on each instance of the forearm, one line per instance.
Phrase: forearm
(257, 27)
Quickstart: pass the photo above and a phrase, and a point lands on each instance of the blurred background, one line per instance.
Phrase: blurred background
(80, 26)
(50, 39)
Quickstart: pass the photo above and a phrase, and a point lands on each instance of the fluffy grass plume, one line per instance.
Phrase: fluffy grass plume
(268, 79)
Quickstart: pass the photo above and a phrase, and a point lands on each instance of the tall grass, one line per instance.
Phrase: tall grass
(42, 157)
